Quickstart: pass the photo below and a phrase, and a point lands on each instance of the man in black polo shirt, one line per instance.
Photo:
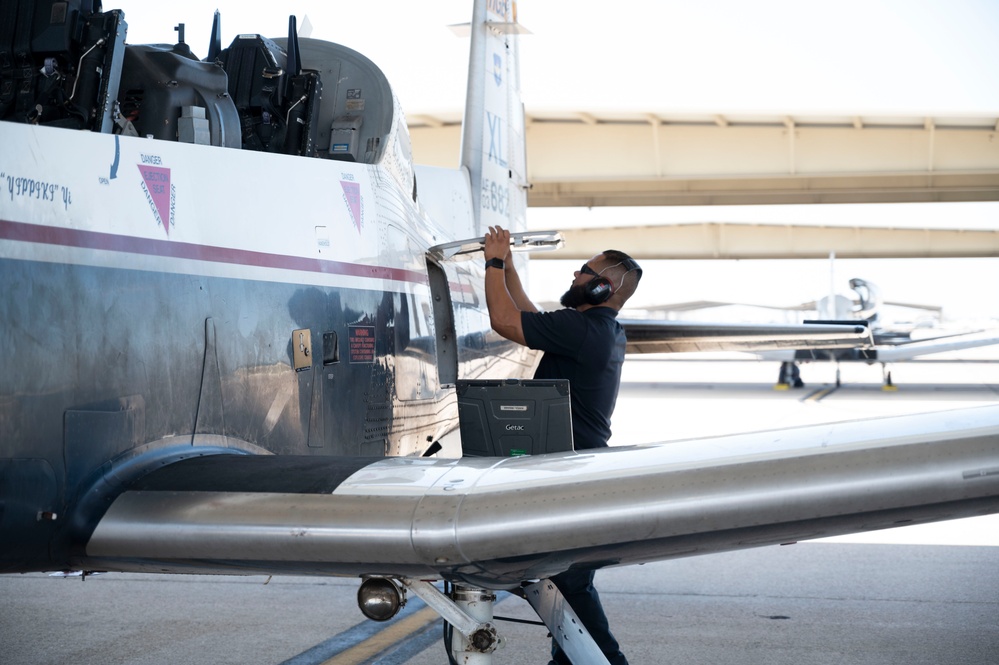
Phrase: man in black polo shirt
(585, 344)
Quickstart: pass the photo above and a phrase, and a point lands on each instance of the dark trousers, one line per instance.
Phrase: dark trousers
(577, 587)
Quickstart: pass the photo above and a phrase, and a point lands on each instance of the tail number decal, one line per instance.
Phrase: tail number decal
(495, 196)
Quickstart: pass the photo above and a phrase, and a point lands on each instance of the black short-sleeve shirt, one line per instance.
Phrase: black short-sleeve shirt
(587, 348)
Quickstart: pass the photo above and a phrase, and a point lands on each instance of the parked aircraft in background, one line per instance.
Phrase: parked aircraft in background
(235, 313)
(890, 341)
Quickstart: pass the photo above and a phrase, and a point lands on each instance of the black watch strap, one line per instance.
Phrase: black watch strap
(496, 263)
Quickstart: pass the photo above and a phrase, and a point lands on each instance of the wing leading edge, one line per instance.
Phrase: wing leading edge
(657, 336)
(495, 522)
(913, 349)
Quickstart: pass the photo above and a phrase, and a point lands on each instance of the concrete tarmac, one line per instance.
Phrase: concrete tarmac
(863, 602)
(807, 604)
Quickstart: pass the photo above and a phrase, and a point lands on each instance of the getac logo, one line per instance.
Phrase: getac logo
(514, 428)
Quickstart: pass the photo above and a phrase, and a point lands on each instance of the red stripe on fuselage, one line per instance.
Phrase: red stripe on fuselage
(52, 235)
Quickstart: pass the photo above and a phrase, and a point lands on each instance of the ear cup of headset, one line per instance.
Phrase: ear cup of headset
(598, 291)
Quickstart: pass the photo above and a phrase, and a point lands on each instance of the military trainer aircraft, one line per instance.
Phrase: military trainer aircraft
(235, 314)
(889, 341)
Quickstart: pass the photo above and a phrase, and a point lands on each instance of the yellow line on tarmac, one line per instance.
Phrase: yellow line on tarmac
(383, 639)
(819, 394)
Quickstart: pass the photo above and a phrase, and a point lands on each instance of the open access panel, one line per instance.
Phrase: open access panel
(511, 417)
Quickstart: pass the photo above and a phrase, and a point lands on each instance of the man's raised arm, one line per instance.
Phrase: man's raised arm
(505, 296)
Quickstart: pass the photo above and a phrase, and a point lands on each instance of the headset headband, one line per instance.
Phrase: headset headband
(600, 289)
(631, 266)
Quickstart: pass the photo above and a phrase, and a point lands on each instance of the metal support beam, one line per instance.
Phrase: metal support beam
(716, 240)
(599, 159)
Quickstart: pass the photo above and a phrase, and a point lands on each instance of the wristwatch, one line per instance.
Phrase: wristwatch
(496, 263)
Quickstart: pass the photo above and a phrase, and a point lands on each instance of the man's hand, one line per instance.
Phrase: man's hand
(504, 294)
(497, 243)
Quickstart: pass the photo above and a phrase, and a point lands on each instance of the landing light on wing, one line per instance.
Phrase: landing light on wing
(380, 598)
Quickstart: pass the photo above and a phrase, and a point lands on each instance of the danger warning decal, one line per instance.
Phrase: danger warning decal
(352, 197)
(159, 192)
(362, 344)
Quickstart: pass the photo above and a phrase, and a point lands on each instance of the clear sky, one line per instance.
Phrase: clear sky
(863, 57)
(788, 56)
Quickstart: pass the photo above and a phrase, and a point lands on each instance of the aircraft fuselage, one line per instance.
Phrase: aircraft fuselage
(164, 299)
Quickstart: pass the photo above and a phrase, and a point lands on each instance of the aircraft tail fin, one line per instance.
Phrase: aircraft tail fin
(493, 144)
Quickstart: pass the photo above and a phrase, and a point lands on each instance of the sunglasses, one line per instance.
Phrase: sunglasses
(587, 270)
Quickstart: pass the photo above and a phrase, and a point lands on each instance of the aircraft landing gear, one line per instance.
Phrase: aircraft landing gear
(470, 637)
(563, 624)
(886, 377)
(477, 646)
(790, 376)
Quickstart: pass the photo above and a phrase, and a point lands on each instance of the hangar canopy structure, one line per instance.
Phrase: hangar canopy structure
(651, 159)
(594, 159)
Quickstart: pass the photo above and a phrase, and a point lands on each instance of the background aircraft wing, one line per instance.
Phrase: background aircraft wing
(913, 349)
(657, 336)
(494, 522)
(694, 305)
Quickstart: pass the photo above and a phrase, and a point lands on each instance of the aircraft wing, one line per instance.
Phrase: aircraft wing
(495, 522)
(659, 336)
(694, 305)
(910, 350)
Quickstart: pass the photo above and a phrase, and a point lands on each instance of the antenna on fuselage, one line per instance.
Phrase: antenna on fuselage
(215, 44)
(293, 67)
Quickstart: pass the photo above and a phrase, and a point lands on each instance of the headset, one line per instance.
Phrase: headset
(600, 289)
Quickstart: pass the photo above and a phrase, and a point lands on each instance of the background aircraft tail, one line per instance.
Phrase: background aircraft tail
(493, 149)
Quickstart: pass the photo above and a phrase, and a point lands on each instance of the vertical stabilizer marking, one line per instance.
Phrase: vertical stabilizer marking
(493, 133)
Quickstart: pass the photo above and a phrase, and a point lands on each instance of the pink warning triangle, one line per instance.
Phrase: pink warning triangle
(352, 195)
(157, 181)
